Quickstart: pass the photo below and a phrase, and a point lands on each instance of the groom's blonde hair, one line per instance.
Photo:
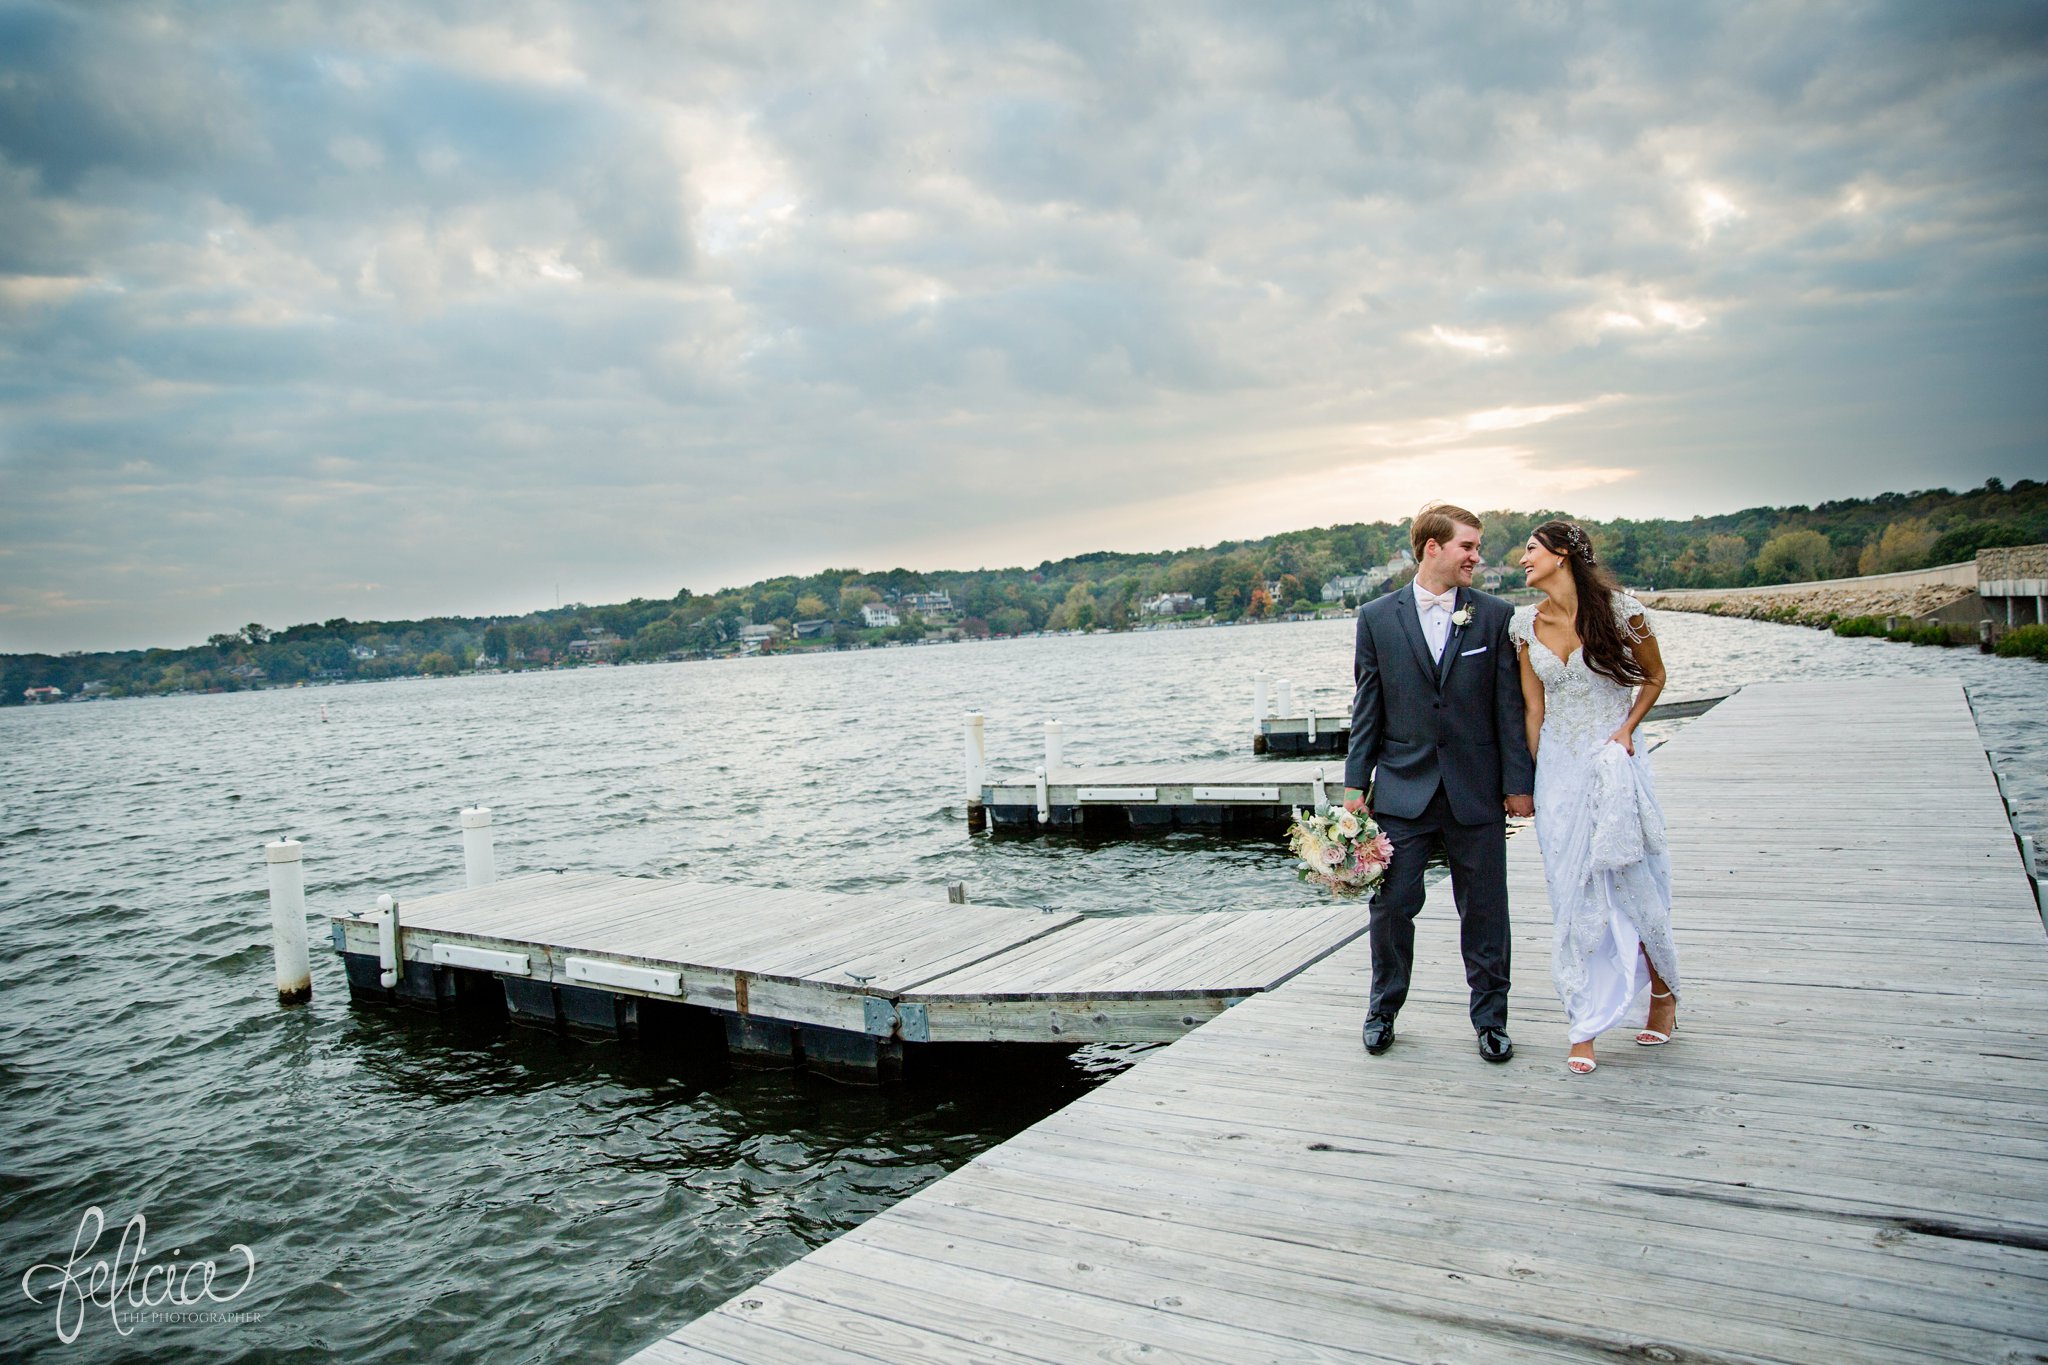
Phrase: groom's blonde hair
(1438, 522)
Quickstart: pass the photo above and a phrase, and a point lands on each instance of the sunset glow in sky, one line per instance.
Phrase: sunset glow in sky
(387, 310)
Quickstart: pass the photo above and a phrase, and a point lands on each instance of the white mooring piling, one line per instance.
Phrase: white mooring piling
(1055, 746)
(288, 921)
(977, 773)
(387, 942)
(1260, 706)
(1285, 688)
(479, 859)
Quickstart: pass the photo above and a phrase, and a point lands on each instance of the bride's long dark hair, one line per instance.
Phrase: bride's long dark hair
(1601, 643)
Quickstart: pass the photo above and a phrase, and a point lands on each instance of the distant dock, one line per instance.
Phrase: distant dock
(1310, 734)
(1840, 1156)
(837, 982)
(1251, 797)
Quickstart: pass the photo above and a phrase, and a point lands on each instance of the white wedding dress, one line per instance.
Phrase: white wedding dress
(1601, 834)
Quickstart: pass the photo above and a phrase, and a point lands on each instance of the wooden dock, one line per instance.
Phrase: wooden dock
(839, 982)
(1239, 796)
(1842, 1156)
(1311, 734)
(1231, 796)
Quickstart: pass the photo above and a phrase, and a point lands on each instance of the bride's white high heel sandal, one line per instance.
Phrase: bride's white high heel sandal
(1581, 1066)
(1650, 1037)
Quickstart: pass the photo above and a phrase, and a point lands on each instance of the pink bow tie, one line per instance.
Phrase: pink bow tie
(1448, 601)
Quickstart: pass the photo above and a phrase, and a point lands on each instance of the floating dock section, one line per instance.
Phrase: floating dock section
(1236, 796)
(1842, 1154)
(838, 982)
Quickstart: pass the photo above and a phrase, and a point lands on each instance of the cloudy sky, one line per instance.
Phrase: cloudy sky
(387, 309)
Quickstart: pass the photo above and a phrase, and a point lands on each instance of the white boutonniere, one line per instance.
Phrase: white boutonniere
(1462, 616)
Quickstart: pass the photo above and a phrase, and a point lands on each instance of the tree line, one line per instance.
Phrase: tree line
(1236, 580)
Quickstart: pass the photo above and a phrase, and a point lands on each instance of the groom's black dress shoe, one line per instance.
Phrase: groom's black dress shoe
(1495, 1045)
(1379, 1034)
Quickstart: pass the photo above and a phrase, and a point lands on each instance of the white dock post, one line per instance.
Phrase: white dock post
(1260, 710)
(479, 859)
(1322, 793)
(288, 921)
(1044, 803)
(1055, 746)
(387, 942)
(1311, 722)
(977, 773)
(1285, 687)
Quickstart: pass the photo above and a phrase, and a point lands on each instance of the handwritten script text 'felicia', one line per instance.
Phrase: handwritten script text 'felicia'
(125, 1284)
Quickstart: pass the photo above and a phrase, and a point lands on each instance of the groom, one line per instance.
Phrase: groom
(1436, 731)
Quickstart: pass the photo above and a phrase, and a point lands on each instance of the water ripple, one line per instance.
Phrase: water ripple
(415, 1186)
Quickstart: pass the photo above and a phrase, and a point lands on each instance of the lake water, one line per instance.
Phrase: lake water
(412, 1185)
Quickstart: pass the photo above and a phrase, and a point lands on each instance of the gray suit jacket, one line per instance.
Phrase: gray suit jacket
(1416, 722)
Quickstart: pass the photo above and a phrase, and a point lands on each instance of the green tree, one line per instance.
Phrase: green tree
(659, 639)
(1794, 557)
(1962, 542)
(1081, 603)
(1234, 587)
(1723, 559)
(438, 663)
(1903, 545)
(852, 598)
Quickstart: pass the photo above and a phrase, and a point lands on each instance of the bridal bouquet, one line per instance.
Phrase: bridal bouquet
(1343, 850)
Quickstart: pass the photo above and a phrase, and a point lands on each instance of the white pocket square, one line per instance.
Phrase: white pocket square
(1480, 650)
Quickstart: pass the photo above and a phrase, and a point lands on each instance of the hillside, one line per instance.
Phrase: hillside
(1102, 589)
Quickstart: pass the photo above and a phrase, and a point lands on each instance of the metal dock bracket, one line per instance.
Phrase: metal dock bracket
(914, 1026)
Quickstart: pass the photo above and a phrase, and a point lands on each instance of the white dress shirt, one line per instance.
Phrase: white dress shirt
(1435, 618)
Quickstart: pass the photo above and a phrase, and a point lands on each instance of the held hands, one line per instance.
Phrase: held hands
(1626, 738)
(1521, 807)
(1354, 801)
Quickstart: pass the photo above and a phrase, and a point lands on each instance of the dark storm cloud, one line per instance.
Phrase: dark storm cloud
(378, 309)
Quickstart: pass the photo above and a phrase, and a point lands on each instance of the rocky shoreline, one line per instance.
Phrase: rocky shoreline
(1820, 604)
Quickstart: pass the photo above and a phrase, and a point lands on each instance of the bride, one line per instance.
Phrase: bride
(1590, 673)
